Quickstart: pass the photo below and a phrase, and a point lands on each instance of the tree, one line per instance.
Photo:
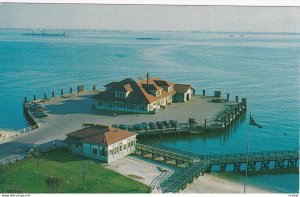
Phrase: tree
(54, 183)
(3, 176)
(36, 154)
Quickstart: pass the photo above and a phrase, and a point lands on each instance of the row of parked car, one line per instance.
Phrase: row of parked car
(148, 126)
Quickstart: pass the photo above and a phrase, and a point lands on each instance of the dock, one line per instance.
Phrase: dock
(192, 165)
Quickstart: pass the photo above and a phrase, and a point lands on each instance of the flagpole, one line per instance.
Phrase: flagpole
(248, 148)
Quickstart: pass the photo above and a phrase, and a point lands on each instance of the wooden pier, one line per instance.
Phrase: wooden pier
(196, 164)
(165, 155)
(257, 160)
(180, 179)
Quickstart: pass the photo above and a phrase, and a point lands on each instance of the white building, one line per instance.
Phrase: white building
(184, 92)
(102, 142)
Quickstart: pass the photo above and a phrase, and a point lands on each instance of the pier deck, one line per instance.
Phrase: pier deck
(198, 164)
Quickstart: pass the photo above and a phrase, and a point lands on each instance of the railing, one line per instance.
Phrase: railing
(11, 134)
(167, 153)
(181, 177)
(279, 154)
(162, 147)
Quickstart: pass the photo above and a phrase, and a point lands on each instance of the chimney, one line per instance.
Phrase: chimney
(147, 78)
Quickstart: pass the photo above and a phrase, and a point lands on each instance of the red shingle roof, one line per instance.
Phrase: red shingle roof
(139, 91)
(182, 87)
(100, 134)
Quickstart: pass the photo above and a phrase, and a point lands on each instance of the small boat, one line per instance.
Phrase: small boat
(44, 33)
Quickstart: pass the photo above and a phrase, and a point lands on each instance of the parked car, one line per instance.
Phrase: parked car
(130, 128)
(152, 125)
(173, 123)
(160, 125)
(123, 126)
(166, 124)
(145, 125)
(114, 126)
(138, 127)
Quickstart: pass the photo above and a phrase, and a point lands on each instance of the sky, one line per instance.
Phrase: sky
(150, 17)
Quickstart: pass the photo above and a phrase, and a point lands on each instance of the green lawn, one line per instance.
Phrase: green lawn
(21, 176)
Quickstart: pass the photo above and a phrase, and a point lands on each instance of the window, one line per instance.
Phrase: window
(103, 152)
(120, 94)
(142, 107)
(94, 151)
(121, 148)
(124, 146)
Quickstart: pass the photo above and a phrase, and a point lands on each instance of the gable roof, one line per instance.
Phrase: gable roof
(182, 87)
(87, 132)
(163, 83)
(100, 134)
(139, 92)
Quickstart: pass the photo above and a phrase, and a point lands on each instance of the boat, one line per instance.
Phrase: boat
(44, 33)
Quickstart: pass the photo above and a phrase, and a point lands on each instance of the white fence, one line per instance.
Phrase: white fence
(7, 135)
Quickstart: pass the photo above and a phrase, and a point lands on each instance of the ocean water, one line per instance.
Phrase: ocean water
(262, 67)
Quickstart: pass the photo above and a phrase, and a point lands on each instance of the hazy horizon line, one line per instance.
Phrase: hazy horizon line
(137, 30)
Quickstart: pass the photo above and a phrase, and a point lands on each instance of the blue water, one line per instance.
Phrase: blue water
(261, 67)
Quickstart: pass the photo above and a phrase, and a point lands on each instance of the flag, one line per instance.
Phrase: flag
(252, 122)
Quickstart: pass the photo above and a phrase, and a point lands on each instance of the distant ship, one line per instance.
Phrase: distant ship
(147, 38)
(43, 33)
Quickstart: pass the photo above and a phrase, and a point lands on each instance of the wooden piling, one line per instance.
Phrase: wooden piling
(34, 97)
(71, 90)
(45, 96)
(94, 87)
(203, 92)
(205, 125)
(221, 122)
(236, 98)
(61, 92)
(227, 97)
(25, 99)
(53, 94)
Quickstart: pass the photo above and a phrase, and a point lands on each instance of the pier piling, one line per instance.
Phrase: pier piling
(94, 87)
(25, 99)
(53, 94)
(71, 90)
(236, 98)
(203, 92)
(45, 96)
(34, 97)
(205, 125)
(244, 102)
(61, 92)
(227, 97)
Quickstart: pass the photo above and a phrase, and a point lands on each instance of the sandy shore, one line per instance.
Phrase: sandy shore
(146, 171)
(140, 169)
(213, 184)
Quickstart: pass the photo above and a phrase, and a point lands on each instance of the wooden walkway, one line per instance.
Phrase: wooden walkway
(181, 178)
(261, 160)
(164, 154)
(198, 164)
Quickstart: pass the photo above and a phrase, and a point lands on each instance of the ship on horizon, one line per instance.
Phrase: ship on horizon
(44, 33)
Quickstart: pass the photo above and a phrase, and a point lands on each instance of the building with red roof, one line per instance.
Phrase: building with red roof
(100, 142)
(143, 96)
